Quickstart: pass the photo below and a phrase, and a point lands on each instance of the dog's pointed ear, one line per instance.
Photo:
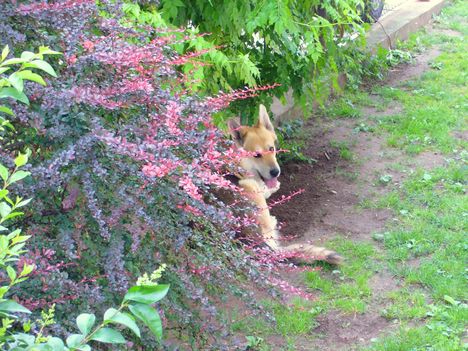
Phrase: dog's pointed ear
(264, 119)
(235, 129)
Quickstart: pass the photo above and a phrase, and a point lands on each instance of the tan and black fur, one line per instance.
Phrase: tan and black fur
(260, 170)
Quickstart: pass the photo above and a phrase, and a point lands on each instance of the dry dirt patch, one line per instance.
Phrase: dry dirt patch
(340, 331)
(329, 204)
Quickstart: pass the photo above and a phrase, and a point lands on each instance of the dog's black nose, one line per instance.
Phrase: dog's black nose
(274, 172)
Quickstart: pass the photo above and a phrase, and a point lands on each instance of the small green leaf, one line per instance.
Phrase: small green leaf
(3, 290)
(109, 336)
(13, 307)
(147, 294)
(13, 215)
(18, 175)
(20, 239)
(85, 322)
(5, 52)
(3, 172)
(3, 243)
(27, 268)
(6, 110)
(23, 203)
(56, 343)
(74, 340)
(16, 81)
(5, 210)
(11, 273)
(114, 316)
(44, 50)
(14, 94)
(42, 65)
(7, 199)
(13, 61)
(149, 316)
(3, 193)
(27, 55)
(21, 160)
(451, 300)
(34, 77)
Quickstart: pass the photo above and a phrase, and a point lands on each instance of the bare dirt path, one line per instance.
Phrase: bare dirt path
(335, 186)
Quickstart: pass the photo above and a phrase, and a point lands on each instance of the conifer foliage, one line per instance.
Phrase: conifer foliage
(255, 42)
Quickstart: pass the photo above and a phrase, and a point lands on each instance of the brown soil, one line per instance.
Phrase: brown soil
(348, 331)
(329, 203)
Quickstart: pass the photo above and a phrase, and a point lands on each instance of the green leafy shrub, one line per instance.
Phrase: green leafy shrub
(261, 42)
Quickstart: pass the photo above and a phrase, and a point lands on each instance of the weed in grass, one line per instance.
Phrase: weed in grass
(250, 325)
(397, 56)
(406, 304)
(346, 174)
(343, 148)
(342, 108)
(297, 318)
(256, 343)
(363, 127)
(436, 65)
(385, 179)
(366, 203)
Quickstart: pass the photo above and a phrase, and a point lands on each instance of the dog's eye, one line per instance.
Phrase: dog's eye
(258, 155)
(272, 149)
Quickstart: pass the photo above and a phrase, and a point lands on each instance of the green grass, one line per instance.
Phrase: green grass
(406, 304)
(427, 245)
(427, 248)
(433, 106)
(343, 149)
(347, 288)
(296, 318)
(342, 108)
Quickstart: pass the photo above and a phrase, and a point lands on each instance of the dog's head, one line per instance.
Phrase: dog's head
(259, 140)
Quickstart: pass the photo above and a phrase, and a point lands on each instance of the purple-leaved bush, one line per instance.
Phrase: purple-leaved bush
(126, 165)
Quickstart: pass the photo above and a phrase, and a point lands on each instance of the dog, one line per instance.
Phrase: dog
(259, 180)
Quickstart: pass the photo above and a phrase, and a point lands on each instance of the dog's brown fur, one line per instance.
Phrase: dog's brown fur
(263, 170)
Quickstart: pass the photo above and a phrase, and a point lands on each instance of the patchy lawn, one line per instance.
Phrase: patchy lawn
(388, 192)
